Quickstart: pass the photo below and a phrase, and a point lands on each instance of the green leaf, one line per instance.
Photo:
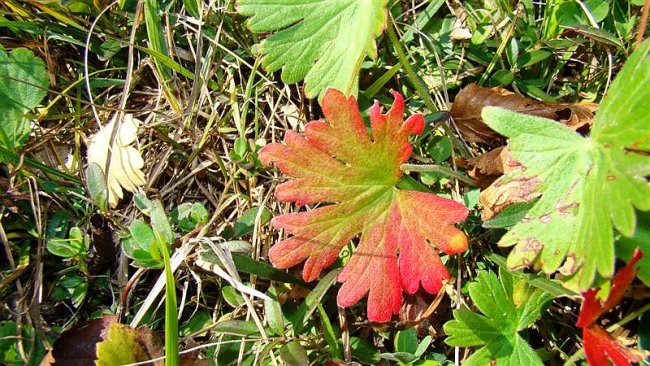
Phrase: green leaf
(188, 215)
(589, 185)
(422, 347)
(510, 216)
(541, 281)
(120, 347)
(407, 340)
(401, 358)
(502, 77)
(246, 264)
(364, 351)
(331, 334)
(246, 222)
(77, 242)
(322, 42)
(198, 321)
(237, 327)
(160, 224)
(293, 354)
(598, 9)
(23, 85)
(439, 148)
(142, 246)
(9, 337)
(507, 306)
(155, 33)
(232, 296)
(9, 344)
(641, 239)
(314, 298)
(57, 229)
(273, 312)
(70, 287)
(532, 57)
(97, 187)
(192, 7)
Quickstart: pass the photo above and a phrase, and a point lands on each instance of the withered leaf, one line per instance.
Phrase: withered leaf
(485, 169)
(466, 112)
(506, 191)
(78, 346)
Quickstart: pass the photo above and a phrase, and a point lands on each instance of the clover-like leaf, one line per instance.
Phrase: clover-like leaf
(322, 42)
(508, 306)
(337, 161)
(23, 84)
(588, 185)
(600, 346)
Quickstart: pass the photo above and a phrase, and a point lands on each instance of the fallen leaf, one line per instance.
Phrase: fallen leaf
(485, 169)
(600, 346)
(102, 341)
(78, 345)
(467, 107)
(507, 190)
(125, 168)
(338, 161)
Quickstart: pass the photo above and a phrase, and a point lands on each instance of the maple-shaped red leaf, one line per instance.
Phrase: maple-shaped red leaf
(599, 345)
(337, 161)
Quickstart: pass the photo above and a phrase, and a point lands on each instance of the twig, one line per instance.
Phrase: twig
(345, 335)
(642, 24)
(437, 169)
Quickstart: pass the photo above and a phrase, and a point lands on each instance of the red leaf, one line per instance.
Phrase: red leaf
(592, 308)
(599, 345)
(339, 162)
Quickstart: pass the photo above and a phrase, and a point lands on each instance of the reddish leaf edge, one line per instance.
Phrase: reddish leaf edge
(601, 347)
(433, 276)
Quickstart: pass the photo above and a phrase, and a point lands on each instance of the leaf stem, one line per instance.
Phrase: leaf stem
(171, 318)
(438, 169)
(417, 82)
(409, 70)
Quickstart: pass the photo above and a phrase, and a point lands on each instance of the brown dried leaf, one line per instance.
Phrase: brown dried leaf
(504, 192)
(466, 112)
(485, 169)
(420, 311)
(78, 346)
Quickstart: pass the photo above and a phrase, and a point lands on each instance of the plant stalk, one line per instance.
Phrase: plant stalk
(171, 318)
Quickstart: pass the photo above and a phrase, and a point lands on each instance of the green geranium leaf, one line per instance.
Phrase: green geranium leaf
(23, 84)
(322, 42)
(589, 185)
(508, 306)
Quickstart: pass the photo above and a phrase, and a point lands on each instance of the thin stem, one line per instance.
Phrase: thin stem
(409, 70)
(417, 82)
(171, 320)
(438, 169)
